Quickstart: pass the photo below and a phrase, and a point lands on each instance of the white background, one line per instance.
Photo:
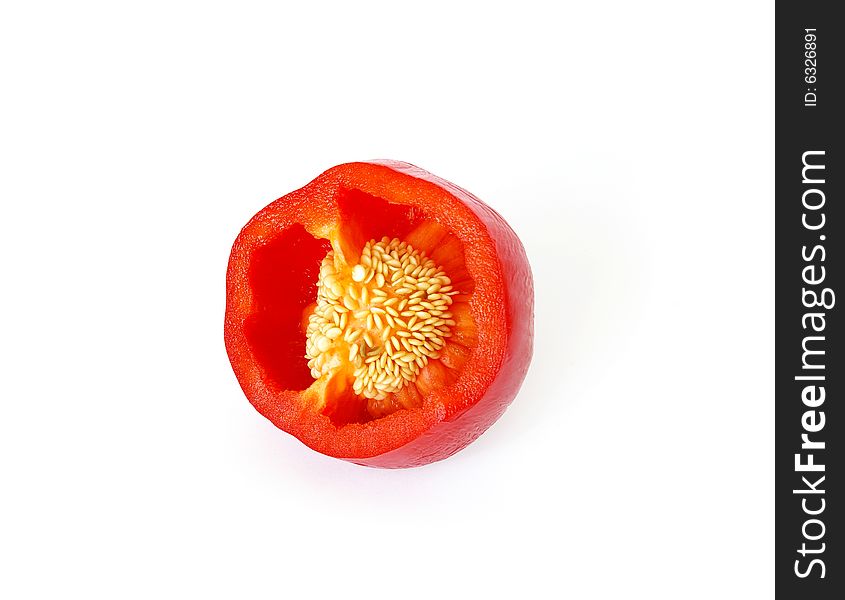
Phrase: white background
(629, 144)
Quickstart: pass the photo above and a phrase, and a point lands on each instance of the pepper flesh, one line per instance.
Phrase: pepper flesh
(459, 393)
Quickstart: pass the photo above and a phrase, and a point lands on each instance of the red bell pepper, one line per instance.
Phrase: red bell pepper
(379, 314)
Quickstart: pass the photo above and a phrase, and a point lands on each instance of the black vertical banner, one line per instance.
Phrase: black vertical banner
(810, 365)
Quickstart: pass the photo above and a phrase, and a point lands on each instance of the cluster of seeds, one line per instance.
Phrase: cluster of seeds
(387, 317)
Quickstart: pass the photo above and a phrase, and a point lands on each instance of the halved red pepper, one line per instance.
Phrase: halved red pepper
(379, 314)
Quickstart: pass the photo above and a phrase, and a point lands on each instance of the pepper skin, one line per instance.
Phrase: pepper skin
(466, 378)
